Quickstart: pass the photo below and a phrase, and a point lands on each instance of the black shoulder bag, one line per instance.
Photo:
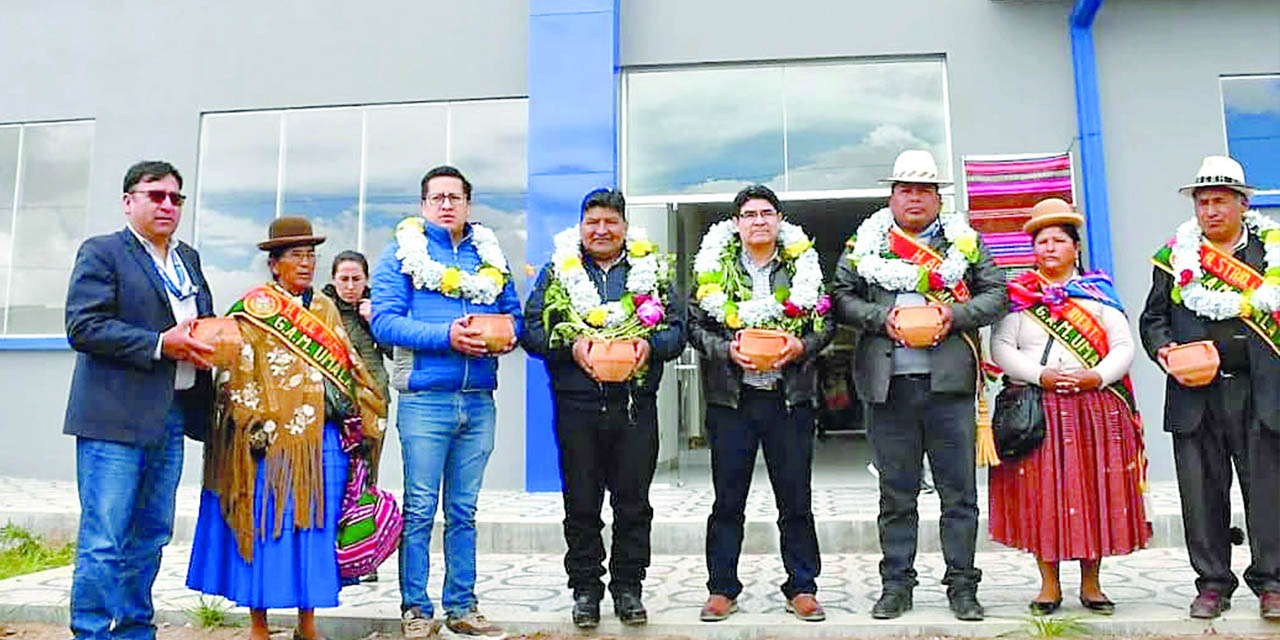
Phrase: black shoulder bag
(1018, 420)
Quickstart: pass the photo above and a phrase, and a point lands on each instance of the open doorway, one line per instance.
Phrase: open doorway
(841, 453)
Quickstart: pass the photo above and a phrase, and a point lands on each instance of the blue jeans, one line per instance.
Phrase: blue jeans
(127, 497)
(443, 436)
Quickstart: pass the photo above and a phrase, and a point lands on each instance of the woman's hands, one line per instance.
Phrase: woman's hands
(1059, 381)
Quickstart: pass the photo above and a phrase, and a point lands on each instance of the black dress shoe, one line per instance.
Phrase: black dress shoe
(630, 609)
(892, 603)
(964, 604)
(586, 611)
(1042, 608)
(1103, 607)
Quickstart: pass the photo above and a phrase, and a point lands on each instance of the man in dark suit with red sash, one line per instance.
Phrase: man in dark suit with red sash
(1214, 282)
(140, 381)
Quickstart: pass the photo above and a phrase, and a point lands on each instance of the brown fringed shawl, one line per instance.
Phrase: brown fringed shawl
(277, 388)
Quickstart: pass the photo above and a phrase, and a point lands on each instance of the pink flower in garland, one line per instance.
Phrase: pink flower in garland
(792, 310)
(650, 312)
(1185, 277)
(823, 306)
(935, 281)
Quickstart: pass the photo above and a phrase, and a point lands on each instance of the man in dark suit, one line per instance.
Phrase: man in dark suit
(921, 399)
(140, 381)
(1236, 417)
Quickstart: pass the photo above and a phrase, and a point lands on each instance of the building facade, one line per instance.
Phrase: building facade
(334, 110)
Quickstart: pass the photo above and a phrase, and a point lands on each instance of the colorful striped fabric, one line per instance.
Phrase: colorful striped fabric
(1001, 191)
(370, 524)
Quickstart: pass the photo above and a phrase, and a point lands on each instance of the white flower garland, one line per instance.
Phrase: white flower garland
(896, 274)
(643, 278)
(1220, 305)
(481, 287)
(806, 282)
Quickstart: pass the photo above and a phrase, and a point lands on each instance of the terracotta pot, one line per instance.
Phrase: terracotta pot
(919, 325)
(223, 334)
(763, 347)
(496, 329)
(1194, 364)
(612, 361)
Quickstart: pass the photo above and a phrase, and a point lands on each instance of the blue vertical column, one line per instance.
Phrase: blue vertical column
(1089, 121)
(573, 120)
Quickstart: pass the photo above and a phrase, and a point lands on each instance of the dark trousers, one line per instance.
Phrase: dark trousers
(1203, 458)
(606, 443)
(761, 421)
(912, 422)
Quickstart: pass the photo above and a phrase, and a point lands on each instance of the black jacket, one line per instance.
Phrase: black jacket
(566, 376)
(116, 310)
(1163, 322)
(362, 338)
(722, 377)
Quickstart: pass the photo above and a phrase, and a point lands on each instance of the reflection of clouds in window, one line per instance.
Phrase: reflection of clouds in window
(240, 152)
(489, 144)
(49, 225)
(1252, 114)
(715, 130)
(401, 143)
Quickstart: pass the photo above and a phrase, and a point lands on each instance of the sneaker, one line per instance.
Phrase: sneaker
(416, 626)
(472, 624)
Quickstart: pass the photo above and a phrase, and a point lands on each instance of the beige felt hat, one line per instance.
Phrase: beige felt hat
(1219, 171)
(915, 166)
(1051, 211)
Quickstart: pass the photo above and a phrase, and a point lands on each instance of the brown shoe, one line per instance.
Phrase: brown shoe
(1269, 606)
(1209, 604)
(806, 607)
(718, 608)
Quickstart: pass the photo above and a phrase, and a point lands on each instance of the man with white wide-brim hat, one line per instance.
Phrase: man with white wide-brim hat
(921, 398)
(1217, 280)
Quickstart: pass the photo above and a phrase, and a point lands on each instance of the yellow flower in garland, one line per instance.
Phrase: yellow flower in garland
(709, 289)
(967, 243)
(450, 281)
(412, 222)
(492, 274)
(1246, 305)
(640, 248)
(1273, 238)
(732, 320)
(597, 317)
(569, 264)
(793, 250)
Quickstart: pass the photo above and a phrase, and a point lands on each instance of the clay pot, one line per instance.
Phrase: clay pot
(763, 347)
(496, 329)
(919, 325)
(223, 334)
(612, 361)
(1194, 364)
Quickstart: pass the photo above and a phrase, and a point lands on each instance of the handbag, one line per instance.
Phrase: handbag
(1018, 420)
(370, 525)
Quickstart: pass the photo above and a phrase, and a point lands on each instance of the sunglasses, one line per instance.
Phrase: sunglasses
(157, 196)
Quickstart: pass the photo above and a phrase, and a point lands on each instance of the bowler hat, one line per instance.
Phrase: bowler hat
(1049, 212)
(289, 231)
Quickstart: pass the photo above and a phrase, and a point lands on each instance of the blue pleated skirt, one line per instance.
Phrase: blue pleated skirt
(298, 569)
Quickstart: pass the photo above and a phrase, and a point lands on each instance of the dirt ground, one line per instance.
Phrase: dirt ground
(43, 631)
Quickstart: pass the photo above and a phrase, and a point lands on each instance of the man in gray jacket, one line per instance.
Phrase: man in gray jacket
(921, 400)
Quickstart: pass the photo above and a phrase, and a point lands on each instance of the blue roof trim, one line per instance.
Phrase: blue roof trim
(34, 343)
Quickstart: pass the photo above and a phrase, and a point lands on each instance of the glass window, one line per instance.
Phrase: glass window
(355, 172)
(794, 127)
(47, 224)
(1251, 106)
(8, 181)
(239, 171)
(704, 130)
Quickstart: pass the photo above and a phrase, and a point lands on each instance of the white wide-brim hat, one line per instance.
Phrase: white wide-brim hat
(1219, 171)
(915, 166)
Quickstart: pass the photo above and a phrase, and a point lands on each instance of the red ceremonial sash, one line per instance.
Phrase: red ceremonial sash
(300, 330)
(918, 253)
(1223, 271)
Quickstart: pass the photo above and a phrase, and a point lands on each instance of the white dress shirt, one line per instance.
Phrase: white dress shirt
(184, 376)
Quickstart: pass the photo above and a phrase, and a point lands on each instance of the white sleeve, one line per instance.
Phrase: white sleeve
(1120, 346)
(1004, 350)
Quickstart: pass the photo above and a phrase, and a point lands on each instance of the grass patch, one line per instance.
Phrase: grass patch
(1055, 626)
(210, 613)
(23, 552)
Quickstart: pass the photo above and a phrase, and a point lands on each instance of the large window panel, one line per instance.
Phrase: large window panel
(8, 181)
(847, 122)
(1251, 106)
(239, 172)
(322, 175)
(401, 144)
(49, 224)
(709, 130)
(489, 146)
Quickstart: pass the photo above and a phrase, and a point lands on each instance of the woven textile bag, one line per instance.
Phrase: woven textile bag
(370, 525)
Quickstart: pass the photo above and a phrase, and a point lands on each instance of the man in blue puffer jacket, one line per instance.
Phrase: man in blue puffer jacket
(436, 273)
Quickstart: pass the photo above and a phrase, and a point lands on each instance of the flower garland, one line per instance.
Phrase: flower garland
(480, 287)
(1220, 305)
(724, 294)
(870, 255)
(639, 312)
